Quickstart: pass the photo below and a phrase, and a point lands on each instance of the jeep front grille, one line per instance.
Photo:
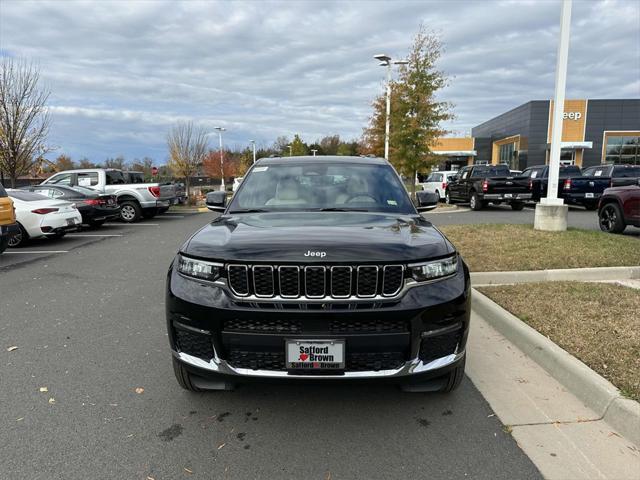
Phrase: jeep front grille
(315, 281)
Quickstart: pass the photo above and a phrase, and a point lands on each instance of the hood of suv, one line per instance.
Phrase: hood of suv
(318, 237)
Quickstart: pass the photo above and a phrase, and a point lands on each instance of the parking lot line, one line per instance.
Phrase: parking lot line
(172, 216)
(94, 235)
(35, 251)
(131, 224)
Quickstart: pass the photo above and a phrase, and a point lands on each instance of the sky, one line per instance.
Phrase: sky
(122, 72)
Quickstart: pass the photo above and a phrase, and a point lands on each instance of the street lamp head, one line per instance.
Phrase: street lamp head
(383, 64)
(401, 62)
(382, 57)
(220, 129)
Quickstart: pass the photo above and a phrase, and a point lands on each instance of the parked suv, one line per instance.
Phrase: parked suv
(8, 224)
(136, 199)
(319, 269)
(619, 207)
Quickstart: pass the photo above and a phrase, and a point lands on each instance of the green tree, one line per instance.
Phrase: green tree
(318, 147)
(417, 117)
(298, 147)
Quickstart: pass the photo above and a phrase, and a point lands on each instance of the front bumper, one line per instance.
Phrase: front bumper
(419, 335)
(507, 197)
(9, 230)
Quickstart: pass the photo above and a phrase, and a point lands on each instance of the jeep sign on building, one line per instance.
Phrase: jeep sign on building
(593, 132)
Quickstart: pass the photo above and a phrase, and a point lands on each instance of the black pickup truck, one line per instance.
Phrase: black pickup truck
(587, 189)
(482, 184)
(320, 269)
(538, 177)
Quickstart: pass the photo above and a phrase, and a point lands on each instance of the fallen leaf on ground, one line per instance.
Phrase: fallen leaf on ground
(11, 349)
(187, 470)
(221, 445)
(150, 478)
(44, 389)
(139, 390)
(52, 400)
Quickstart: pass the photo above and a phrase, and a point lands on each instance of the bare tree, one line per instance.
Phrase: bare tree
(187, 150)
(24, 120)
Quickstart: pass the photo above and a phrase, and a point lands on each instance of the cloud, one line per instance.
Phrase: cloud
(122, 72)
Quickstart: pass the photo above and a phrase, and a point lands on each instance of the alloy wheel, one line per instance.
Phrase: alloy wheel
(127, 212)
(15, 240)
(608, 218)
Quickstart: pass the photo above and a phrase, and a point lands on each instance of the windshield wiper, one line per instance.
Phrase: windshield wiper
(249, 210)
(338, 209)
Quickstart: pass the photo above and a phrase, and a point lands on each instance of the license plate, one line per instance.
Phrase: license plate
(508, 195)
(71, 221)
(588, 195)
(315, 354)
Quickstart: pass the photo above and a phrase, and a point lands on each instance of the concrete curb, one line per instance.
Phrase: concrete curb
(557, 275)
(593, 390)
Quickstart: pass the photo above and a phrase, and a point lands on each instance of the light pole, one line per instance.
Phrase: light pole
(314, 150)
(220, 130)
(385, 61)
(253, 146)
(290, 150)
(551, 213)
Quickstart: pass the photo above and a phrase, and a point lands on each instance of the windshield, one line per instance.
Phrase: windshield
(320, 186)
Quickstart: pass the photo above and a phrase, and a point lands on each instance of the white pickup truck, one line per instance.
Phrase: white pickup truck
(135, 199)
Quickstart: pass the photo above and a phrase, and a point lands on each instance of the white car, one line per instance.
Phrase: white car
(437, 182)
(236, 183)
(40, 216)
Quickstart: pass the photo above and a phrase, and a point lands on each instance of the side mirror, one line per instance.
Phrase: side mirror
(426, 201)
(216, 201)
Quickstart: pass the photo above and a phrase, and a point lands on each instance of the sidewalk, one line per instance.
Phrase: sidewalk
(562, 436)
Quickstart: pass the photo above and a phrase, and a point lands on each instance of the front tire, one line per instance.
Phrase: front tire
(19, 239)
(447, 198)
(610, 219)
(474, 202)
(454, 378)
(130, 211)
(4, 243)
(184, 377)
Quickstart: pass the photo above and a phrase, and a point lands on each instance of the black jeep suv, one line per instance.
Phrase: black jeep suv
(319, 269)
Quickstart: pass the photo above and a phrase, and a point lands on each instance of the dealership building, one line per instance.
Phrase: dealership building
(593, 132)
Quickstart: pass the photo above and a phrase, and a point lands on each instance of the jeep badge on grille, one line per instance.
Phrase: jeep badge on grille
(315, 254)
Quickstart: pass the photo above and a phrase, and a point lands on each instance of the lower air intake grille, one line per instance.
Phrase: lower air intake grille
(263, 326)
(440, 345)
(194, 344)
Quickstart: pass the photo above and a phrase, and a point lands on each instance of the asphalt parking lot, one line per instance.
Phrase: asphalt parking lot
(578, 217)
(87, 316)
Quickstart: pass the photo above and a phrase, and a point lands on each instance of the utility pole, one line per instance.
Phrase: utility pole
(313, 150)
(253, 145)
(220, 130)
(551, 213)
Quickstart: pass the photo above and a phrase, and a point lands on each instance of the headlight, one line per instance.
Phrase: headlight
(432, 270)
(199, 268)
